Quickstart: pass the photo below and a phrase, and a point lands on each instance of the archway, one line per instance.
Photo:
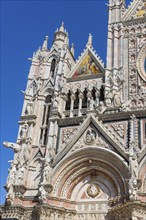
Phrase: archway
(89, 178)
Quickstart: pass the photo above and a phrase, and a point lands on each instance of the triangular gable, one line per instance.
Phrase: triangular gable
(141, 12)
(107, 137)
(87, 64)
(136, 9)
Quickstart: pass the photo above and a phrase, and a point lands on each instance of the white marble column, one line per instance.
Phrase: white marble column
(97, 94)
(90, 100)
(80, 103)
(72, 104)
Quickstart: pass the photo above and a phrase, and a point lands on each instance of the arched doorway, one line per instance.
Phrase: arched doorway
(87, 179)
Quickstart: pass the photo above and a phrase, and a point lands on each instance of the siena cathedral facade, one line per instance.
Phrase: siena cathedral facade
(81, 147)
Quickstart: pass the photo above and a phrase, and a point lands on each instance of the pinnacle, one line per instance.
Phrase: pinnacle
(62, 27)
(89, 43)
(45, 44)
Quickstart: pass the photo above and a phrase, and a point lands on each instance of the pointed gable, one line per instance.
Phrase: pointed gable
(98, 132)
(136, 9)
(89, 63)
(141, 12)
(87, 67)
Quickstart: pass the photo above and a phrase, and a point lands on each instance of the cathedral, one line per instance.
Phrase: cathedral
(80, 153)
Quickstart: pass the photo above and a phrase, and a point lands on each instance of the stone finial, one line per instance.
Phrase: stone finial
(45, 44)
(89, 43)
(62, 27)
(72, 49)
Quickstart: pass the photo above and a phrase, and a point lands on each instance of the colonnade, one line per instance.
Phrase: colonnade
(78, 102)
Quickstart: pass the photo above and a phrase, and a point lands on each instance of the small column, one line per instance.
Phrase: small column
(90, 100)
(109, 58)
(72, 104)
(55, 134)
(97, 94)
(80, 103)
(116, 46)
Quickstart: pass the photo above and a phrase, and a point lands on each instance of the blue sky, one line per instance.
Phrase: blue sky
(24, 25)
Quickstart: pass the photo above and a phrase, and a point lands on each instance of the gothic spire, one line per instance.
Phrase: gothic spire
(89, 43)
(62, 27)
(45, 44)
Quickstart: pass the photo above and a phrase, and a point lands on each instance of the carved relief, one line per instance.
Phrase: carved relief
(67, 133)
(118, 131)
(141, 62)
(90, 136)
(93, 190)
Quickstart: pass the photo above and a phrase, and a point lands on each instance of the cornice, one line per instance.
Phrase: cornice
(134, 21)
(122, 115)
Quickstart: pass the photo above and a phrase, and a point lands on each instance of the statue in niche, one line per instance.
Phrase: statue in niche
(47, 173)
(47, 168)
(23, 132)
(133, 160)
(58, 83)
(90, 136)
(55, 101)
(134, 182)
(29, 108)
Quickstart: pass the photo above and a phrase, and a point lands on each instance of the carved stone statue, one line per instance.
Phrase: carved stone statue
(16, 148)
(117, 100)
(90, 136)
(55, 102)
(108, 102)
(133, 161)
(134, 183)
(24, 154)
(29, 108)
(47, 174)
(12, 175)
(23, 132)
(43, 194)
(58, 83)
(101, 108)
(21, 152)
